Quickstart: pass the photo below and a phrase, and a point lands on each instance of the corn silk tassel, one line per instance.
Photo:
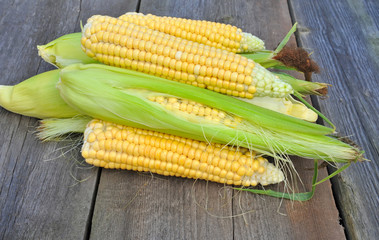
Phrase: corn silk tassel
(138, 100)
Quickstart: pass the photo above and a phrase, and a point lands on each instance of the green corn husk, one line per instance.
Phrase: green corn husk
(264, 58)
(67, 50)
(304, 87)
(121, 96)
(64, 51)
(36, 97)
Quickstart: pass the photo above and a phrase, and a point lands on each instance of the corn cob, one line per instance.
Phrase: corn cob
(116, 146)
(223, 36)
(122, 44)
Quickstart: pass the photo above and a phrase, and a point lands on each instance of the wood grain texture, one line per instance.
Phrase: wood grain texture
(139, 206)
(113, 8)
(39, 199)
(144, 206)
(344, 37)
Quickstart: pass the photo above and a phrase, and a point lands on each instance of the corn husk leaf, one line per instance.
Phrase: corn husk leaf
(64, 51)
(36, 97)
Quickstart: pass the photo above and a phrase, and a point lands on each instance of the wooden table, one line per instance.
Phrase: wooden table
(48, 193)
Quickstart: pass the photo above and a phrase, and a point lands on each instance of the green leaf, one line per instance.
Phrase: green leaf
(286, 39)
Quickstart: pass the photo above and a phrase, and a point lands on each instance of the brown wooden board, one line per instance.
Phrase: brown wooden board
(343, 36)
(153, 207)
(43, 195)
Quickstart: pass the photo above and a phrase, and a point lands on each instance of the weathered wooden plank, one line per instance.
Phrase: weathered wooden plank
(39, 199)
(131, 203)
(344, 38)
(144, 206)
(110, 8)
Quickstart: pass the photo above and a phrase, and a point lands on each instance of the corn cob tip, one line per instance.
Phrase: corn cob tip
(267, 84)
(250, 43)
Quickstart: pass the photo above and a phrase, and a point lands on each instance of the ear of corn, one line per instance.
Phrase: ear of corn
(223, 36)
(116, 146)
(123, 44)
(36, 97)
(66, 50)
(63, 51)
(126, 97)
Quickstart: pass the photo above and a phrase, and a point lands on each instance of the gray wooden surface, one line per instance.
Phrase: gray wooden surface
(38, 198)
(44, 195)
(344, 37)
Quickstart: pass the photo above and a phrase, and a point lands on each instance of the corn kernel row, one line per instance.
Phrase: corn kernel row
(223, 36)
(192, 109)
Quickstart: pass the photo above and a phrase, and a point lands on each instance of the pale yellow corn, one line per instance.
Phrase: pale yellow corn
(223, 36)
(116, 146)
(195, 112)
